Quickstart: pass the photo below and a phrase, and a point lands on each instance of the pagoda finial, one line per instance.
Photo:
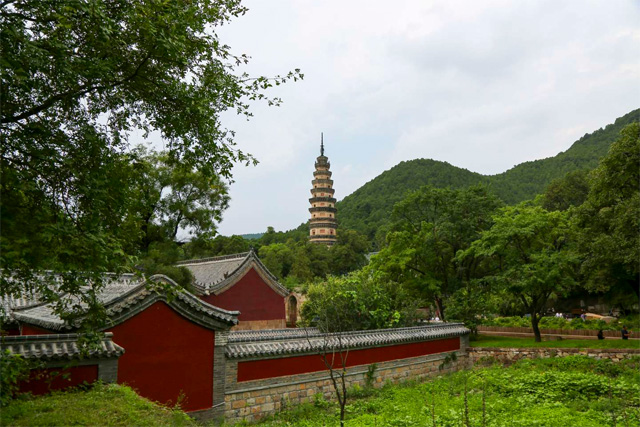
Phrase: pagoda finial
(321, 143)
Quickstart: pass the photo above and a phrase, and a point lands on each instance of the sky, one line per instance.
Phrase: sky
(481, 85)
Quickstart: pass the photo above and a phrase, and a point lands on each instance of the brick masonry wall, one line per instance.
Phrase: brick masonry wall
(252, 400)
(510, 355)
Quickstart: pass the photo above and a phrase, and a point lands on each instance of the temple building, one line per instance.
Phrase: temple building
(323, 223)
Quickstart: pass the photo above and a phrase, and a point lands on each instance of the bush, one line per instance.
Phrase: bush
(13, 368)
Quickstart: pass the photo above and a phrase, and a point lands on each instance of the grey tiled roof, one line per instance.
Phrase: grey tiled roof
(115, 285)
(58, 346)
(10, 303)
(217, 274)
(271, 334)
(246, 344)
(124, 296)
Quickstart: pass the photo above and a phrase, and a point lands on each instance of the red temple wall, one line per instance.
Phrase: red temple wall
(34, 330)
(252, 297)
(262, 369)
(42, 381)
(166, 355)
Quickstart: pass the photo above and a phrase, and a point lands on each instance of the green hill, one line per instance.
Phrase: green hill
(368, 208)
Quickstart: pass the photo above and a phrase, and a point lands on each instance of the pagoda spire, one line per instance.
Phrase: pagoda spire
(322, 224)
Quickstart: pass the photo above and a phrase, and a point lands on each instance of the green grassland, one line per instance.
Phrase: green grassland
(561, 391)
(568, 391)
(514, 342)
(102, 405)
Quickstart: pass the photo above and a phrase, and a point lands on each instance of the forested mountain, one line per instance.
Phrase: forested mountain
(368, 208)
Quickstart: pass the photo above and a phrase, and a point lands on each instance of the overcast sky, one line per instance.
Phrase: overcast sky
(483, 85)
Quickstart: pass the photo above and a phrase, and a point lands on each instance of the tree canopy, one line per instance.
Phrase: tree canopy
(431, 226)
(79, 78)
(609, 219)
(530, 248)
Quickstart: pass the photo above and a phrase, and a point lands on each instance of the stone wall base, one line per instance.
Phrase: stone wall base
(510, 355)
(252, 400)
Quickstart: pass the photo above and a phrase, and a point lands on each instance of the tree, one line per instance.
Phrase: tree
(78, 78)
(168, 197)
(609, 219)
(562, 193)
(530, 248)
(348, 254)
(278, 258)
(201, 247)
(356, 301)
(431, 226)
(360, 300)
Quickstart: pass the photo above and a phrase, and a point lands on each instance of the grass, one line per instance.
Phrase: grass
(516, 342)
(102, 405)
(563, 391)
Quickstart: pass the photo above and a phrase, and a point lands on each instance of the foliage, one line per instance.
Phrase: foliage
(544, 392)
(277, 258)
(530, 248)
(516, 342)
(368, 209)
(170, 196)
(570, 190)
(77, 79)
(431, 226)
(348, 253)
(470, 303)
(609, 220)
(203, 247)
(13, 368)
(358, 301)
(112, 405)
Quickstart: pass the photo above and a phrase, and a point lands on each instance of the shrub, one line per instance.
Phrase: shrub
(13, 368)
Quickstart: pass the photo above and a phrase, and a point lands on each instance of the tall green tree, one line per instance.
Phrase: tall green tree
(349, 252)
(431, 226)
(78, 78)
(570, 190)
(531, 251)
(202, 247)
(278, 258)
(169, 197)
(609, 220)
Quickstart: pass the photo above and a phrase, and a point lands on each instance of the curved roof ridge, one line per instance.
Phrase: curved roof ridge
(268, 346)
(59, 346)
(233, 277)
(214, 259)
(122, 304)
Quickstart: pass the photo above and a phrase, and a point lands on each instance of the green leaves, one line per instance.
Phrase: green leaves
(78, 79)
(530, 250)
(357, 301)
(431, 227)
(609, 220)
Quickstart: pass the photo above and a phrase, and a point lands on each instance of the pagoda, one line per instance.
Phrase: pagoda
(323, 223)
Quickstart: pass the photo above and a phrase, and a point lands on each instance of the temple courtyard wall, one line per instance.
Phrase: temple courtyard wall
(260, 383)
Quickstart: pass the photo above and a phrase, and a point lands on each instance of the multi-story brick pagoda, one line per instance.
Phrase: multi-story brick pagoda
(323, 223)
